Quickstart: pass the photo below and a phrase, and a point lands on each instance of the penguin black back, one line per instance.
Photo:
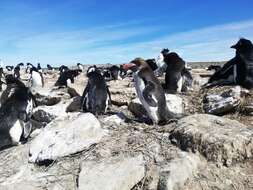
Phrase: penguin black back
(244, 50)
(66, 76)
(96, 95)
(173, 77)
(152, 64)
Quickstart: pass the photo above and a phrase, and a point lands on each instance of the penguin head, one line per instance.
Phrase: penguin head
(92, 69)
(20, 64)
(10, 79)
(135, 65)
(243, 45)
(165, 51)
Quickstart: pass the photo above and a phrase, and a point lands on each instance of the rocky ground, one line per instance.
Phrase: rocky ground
(210, 148)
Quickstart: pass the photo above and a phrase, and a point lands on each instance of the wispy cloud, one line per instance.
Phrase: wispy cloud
(122, 42)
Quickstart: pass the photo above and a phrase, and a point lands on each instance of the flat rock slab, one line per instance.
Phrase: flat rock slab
(65, 136)
(121, 173)
(219, 139)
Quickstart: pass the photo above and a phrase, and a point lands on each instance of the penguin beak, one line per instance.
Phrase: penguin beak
(128, 66)
(236, 46)
(233, 46)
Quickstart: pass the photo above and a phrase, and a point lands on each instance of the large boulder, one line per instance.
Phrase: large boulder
(16, 173)
(121, 173)
(218, 139)
(65, 136)
(223, 101)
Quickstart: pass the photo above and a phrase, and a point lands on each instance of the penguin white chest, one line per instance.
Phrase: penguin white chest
(36, 80)
(16, 132)
(140, 86)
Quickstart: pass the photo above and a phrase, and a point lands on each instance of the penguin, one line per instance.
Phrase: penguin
(160, 62)
(17, 70)
(66, 77)
(36, 78)
(173, 76)
(107, 74)
(39, 68)
(1, 75)
(9, 68)
(63, 68)
(115, 72)
(92, 68)
(80, 66)
(236, 71)
(149, 91)
(214, 67)
(187, 79)
(28, 67)
(123, 73)
(152, 64)
(96, 96)
(244, 65)
(49, 67)
(15, 113)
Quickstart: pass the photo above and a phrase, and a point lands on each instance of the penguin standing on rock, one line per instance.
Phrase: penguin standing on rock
(15, 113)
(174, 70)
(96, 96)
(149, 91)
(36, 78)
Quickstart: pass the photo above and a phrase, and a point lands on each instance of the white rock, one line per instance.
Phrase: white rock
(178, 170)
(65, 136)
(115, 174)
(117, 119)
(224, 102)
(174, 103)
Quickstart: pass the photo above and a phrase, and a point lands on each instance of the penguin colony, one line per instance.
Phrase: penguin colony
(17, 100)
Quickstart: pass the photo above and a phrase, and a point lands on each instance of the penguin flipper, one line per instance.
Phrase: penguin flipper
(147, 94)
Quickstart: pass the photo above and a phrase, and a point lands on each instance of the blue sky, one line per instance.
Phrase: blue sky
(101, 31)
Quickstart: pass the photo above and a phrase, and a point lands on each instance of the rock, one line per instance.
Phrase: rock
(65, 136)
(47, 113)
(223, 102)
(17, 173)
(218, 139)
(41, 115)
(137, 109)
(178, 170)
(75, 105)
(117, 119)
(198, 81)
(46, 100)
(50, 97)
(121, 173)
(174, 103)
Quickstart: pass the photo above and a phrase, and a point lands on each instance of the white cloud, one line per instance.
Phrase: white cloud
(124, 41)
